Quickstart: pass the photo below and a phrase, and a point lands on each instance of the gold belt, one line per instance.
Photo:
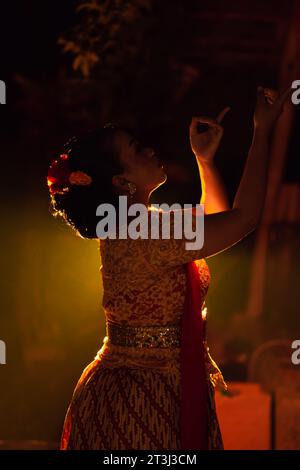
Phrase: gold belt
(144, 336)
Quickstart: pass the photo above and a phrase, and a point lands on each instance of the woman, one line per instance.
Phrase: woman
(151, 384)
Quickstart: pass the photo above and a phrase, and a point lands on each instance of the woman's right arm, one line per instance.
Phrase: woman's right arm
(224, 229)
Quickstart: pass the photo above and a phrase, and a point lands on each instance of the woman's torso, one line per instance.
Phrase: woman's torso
(139, 293)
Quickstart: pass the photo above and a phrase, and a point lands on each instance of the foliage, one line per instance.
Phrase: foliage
(108, 35)
(132, 48)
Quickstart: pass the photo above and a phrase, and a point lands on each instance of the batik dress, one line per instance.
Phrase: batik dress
(129, 397)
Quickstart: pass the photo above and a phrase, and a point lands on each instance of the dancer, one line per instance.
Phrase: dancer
(151, 385)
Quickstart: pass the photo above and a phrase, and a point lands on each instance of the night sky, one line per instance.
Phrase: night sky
(29, 34)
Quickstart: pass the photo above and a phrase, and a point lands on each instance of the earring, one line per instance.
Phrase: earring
(132, 189)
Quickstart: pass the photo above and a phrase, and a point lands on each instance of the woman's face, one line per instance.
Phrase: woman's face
(141, 164)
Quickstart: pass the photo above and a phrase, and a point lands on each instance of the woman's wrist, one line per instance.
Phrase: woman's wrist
(262, 131)
(205, 163)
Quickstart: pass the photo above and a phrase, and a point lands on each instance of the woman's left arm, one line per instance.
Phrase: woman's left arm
(204, 145)
(214, 196)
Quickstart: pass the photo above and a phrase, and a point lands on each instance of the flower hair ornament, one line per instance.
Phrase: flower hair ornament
(60, 177)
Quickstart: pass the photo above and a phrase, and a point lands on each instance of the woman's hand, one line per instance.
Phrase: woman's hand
(205, 144)
(269, 106)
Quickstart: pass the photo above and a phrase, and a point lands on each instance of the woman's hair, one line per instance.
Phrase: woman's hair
(93, 154)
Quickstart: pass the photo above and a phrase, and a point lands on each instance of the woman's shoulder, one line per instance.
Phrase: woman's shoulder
(156, 243)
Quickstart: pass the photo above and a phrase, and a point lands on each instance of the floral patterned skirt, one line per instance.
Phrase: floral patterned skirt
(121, 405)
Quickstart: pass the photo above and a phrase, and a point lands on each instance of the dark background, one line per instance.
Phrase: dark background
(193, 58)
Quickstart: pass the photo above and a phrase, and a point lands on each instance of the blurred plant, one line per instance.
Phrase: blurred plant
(108, 35)
(130, 47)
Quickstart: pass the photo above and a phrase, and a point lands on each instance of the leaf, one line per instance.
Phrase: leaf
(85, 68)
(85, 62)
(69, 46)
(92, 57)
(77, 63)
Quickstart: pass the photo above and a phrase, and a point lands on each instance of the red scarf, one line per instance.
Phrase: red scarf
(194, 390)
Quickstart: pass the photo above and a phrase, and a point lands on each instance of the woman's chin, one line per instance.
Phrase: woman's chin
(162, 175)
(165, 176)
(158, 182)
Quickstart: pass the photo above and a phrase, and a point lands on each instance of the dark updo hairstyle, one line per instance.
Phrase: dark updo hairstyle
(95, 155)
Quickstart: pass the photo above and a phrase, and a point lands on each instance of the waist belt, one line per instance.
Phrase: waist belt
(144, 336)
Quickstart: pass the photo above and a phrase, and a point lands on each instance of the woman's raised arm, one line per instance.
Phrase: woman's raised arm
(204, 146)
(226, 228)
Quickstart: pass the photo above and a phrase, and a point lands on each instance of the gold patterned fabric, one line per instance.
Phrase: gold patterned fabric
(129, 396)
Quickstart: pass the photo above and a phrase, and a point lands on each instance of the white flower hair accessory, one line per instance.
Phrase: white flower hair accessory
(79, 178)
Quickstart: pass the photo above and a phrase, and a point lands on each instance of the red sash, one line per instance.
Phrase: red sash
(194, 390)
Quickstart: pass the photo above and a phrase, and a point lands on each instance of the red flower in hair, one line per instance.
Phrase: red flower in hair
(60, 177)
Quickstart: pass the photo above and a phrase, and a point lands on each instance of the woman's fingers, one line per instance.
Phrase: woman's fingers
(204, 120)
(222, 114)
(271, 94)
(269, 106)
(278, 99)
(214, 123)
